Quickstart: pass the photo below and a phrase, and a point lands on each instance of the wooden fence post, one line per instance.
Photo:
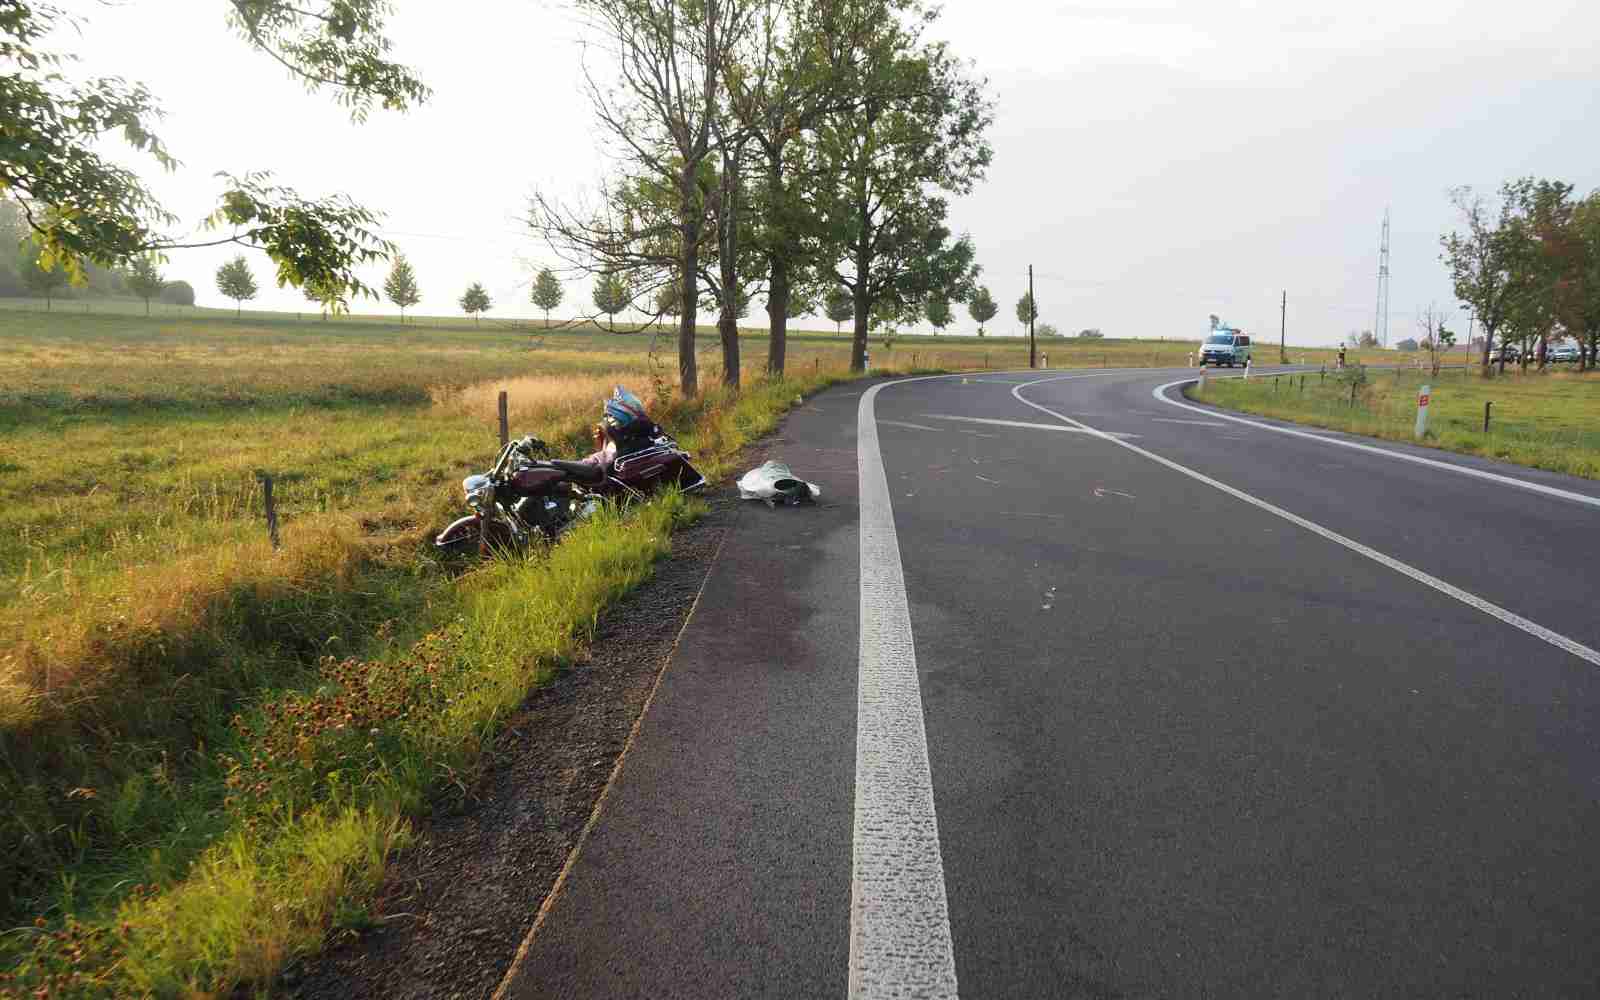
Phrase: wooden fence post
(505, 428)
(271, 508)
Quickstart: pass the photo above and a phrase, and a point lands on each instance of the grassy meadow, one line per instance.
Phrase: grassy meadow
(1546, 421)
(208, 748)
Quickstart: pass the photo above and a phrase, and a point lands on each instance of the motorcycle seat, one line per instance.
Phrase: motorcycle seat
(583, 472)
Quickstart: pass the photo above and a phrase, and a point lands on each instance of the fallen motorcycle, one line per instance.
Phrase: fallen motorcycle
(525, 496)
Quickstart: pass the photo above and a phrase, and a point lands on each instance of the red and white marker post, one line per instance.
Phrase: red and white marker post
(1422, 410)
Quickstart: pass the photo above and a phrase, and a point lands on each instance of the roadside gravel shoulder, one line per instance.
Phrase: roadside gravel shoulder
(455, 906)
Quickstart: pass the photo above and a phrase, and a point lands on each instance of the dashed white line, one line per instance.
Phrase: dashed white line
(1511, 618)
(1020, 423)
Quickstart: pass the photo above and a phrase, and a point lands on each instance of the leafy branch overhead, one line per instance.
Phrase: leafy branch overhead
(83, 207)
(338, 44)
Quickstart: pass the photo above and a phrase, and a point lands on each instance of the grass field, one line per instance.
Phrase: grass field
(207, 747)
(1549, 421)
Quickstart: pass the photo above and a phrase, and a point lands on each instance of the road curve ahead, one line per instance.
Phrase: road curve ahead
(1072, 690)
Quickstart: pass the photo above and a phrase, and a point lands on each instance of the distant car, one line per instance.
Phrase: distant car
(1565, 353)
(1507, 353)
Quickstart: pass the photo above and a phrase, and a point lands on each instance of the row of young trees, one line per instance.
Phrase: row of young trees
(1528, 265)
(792, 148)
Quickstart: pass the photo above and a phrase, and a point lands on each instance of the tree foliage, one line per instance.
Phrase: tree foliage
(1027, 312)
(475, 301)
(144, 278)
(401, 285)
(547, 292)
(82, 206)
(982, 308)
(235, 282)
(178, 293)
(839, 306)
(937, 309)
(915, 135)
(611, 295)
(36, 279)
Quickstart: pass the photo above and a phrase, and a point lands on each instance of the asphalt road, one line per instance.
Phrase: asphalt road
(1212, 711)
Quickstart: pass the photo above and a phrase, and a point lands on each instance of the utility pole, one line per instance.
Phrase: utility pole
(1283, 329)
(1033, 310)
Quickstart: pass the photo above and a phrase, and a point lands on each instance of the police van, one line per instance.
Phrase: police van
(1225, 346)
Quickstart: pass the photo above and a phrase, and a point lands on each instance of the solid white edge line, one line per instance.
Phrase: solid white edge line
(900, 943)
(900, 940)
(1556, 639)
(1159, 392)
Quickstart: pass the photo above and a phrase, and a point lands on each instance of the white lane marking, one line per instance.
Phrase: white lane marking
(1533, 628)
(1160, 393)
(900, 944)
(1192, 423)
(1019, 423)
(915, 427)
(1101, 491)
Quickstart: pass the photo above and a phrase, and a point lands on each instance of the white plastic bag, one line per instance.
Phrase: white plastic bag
(774, 483)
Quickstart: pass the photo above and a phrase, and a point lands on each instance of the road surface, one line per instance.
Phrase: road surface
(1068, 689)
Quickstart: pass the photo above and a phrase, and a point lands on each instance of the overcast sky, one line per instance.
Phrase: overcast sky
(1154, 161)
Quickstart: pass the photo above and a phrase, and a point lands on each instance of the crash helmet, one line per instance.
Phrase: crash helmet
(624, 414)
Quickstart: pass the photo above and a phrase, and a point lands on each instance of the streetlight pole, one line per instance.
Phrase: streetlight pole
(1283, 328)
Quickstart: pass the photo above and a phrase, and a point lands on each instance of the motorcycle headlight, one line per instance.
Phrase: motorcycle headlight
(479, 491)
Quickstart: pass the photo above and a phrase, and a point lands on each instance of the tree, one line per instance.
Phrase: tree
(1093, 333)
(235, 282)
(658, 114)
(666, 301)
(915, 134)
(401, 285)
(938, 311)
(475, 302)
(83, 207)
(1047, 330)
(839, 306)
(178, 293)
(547, 293)
(1541, 240)
(1436, 339)
(1216, 321)
(144, 279)
(786, 75)
(1367, 339)
(318, 298)
(1480, 260)
(37, 279)
(982, 308)
(1578, 298)
(1026, 311)
(611, 295)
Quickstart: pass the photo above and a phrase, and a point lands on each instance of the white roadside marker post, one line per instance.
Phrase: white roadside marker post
(1202, 380)
(1422, 410)
(1247, 369)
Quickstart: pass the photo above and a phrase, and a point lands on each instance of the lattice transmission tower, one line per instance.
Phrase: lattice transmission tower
(1380, 322)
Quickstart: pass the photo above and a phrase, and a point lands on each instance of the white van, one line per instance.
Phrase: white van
(1225, 347)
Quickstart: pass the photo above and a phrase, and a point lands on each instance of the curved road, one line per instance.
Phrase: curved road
(1071, 689)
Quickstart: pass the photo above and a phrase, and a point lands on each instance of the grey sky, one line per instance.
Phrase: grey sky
(1155, 162)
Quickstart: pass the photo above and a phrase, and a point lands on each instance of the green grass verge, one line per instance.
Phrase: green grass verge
(1549, 421)
(265, 801)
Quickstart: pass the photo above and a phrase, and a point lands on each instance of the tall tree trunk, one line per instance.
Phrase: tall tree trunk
(689, 221)
(778, 272)
(1488, 344)
(858, 346)
(728, 265)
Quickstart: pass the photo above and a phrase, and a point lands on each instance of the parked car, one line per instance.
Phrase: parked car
(1507, 353)
(1565, 353)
